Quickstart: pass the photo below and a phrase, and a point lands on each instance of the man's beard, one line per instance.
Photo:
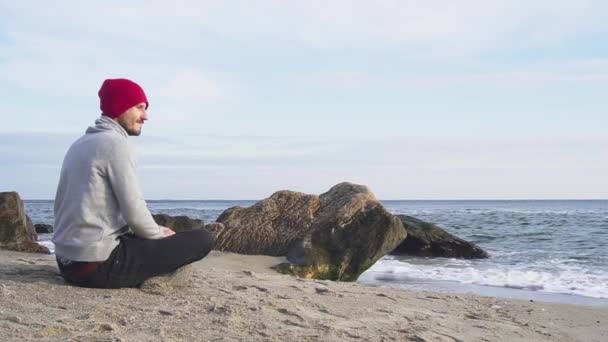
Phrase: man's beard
(131, 131)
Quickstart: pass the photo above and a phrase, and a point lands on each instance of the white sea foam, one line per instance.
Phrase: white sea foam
(45, 240)
(566, 280)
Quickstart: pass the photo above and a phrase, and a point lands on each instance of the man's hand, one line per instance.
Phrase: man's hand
(167, 231)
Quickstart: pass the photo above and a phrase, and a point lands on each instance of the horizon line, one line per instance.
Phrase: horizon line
(412, 200)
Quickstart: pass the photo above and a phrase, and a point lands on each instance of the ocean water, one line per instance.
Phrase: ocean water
(540, 250)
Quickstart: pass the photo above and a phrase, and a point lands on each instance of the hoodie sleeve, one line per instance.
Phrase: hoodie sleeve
(124, 183)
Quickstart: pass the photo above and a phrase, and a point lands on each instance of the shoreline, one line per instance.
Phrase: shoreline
(238, 297)
(448, 287)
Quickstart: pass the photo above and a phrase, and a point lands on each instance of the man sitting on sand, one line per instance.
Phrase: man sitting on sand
(105, 235)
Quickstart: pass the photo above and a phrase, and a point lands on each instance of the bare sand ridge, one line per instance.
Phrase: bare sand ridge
(233, 297)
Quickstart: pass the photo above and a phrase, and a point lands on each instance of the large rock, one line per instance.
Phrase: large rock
(428, 240)
(177, 223)
(16, 229)
(268, 227)
(336, 235)
(215, 228)
(30, 229)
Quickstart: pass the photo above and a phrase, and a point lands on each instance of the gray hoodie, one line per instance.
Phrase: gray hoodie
(98, 196)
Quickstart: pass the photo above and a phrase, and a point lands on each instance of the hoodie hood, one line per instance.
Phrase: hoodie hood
(104, 124)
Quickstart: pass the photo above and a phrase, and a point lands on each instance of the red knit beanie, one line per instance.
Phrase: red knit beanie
(117, 95)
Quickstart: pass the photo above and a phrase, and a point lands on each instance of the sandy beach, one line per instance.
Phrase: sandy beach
(233, 297)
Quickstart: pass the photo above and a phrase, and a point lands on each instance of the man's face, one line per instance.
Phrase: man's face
(133, 119)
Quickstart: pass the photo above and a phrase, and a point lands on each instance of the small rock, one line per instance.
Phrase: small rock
(219, 309)
(321, 290)
(165, 313)
(496, 307)
(15, 319)
(43, 228)
(106, 327)
(249, 273)
(531, 300)
(262, 289)
(83, 317)
(123, 322)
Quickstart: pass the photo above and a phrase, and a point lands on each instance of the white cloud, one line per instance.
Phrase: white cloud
(62, 51)
(472, 24)
(83, 42)
(593, 63)
(185, 86)
(339, 79)
(534, 76)
(206, 150)
(65, 67)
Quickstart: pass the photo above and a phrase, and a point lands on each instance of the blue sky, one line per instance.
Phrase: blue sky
(417, 100)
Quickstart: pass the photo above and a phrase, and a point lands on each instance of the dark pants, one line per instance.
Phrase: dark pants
(135, 259)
